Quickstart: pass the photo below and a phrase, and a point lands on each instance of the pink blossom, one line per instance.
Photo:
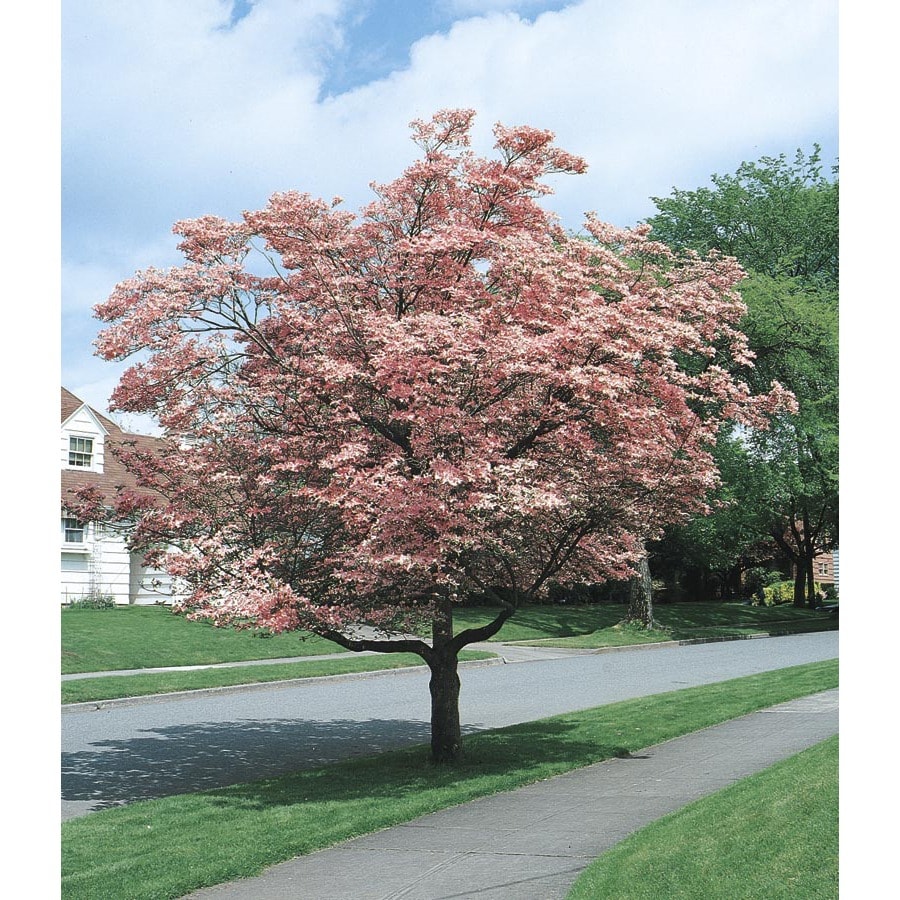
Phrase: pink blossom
(443, 394)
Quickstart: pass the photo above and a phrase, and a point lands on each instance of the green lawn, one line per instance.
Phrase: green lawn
(168, 847)
(143, 637)
(140, 637)
(111, 687)
(773, 836)
(599, 625)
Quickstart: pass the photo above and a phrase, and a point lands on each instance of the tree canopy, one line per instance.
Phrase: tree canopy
(777, 218)
(780, 220)
(370, 417)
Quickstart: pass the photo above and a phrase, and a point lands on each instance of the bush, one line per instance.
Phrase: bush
(780, 592)
(783, 592)
(757, 579)
(94, 601)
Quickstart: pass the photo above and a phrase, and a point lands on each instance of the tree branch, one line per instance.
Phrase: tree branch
(474, 635)
(358, 645)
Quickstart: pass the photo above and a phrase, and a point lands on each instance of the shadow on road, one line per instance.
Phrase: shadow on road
(179, 759)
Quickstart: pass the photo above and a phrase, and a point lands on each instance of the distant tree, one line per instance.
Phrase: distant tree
(777, 218)
(447, 395)
(706, 556)
(780, 220)
(794, 330)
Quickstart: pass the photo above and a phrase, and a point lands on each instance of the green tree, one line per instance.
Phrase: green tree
(775, 217)
(794, 330)
(780, 220)
(706, 556)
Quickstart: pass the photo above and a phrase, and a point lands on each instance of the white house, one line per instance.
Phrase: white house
(95, 559)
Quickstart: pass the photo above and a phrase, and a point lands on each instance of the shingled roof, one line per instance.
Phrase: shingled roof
(114, 475)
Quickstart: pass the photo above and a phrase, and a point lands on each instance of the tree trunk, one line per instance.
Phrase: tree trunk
(640, 600)
(799, 584)
(811, 598)
(446, 736)
(442, 657)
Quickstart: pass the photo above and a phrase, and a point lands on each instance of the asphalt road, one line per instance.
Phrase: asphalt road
(119, 753)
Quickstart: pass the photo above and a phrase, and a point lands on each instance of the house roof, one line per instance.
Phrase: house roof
(71, 404)
(114, 475)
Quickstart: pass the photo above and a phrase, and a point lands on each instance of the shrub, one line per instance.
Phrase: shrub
(783, 592)
(94, 601)
(780, 592)
(757, 579)
(585, 594)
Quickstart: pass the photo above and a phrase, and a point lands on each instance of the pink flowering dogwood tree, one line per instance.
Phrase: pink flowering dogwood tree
(371, 417)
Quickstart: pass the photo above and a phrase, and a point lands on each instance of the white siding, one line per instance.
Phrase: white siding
(98, 566)
(113, 565)
(101, 563)
(75, 581)
(149, 585)
(836, 557)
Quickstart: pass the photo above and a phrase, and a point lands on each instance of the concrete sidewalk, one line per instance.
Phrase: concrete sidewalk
(532, 843)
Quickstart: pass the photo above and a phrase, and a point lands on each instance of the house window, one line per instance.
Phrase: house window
(73, 531)
(81, 451)
(823, 568)
(74, 562)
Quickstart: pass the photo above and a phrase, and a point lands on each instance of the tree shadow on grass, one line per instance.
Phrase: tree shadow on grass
(535, 750)
(572, 621)
(266, 763)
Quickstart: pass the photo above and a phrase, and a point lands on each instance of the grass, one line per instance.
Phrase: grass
(111, 687)
(168, 847)
(600, 625)
(773, 836)
(143, 637)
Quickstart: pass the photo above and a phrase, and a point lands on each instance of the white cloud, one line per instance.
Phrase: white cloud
(164, 108)
(651, 93)
(195, 118)
(171, 112)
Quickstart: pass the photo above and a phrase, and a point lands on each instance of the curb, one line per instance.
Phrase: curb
(684, 642)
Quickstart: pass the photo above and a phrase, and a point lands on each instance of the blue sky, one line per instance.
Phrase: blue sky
(172, 110)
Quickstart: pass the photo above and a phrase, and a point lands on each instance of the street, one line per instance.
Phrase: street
(118, 753)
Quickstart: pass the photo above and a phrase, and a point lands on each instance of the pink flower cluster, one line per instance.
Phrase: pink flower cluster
(444, 394)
